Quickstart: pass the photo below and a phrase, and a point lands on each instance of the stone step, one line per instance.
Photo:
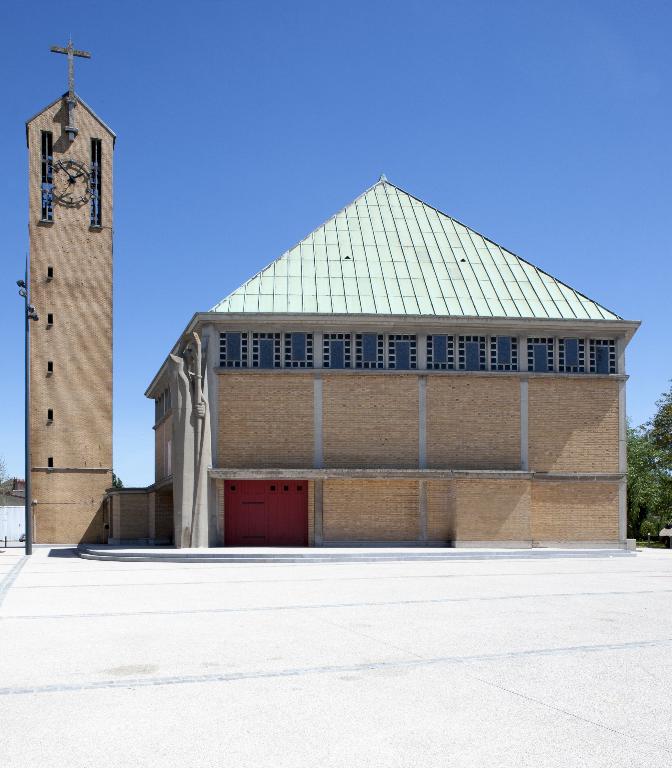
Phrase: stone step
(363, 555)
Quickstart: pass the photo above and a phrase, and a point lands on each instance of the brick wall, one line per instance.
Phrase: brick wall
(441, 520)
(478, 510)
(573, 425)
(69, 508)
(370, 421)
(574, 511)
(132, 515)
(162, 434)
(265, 420)
(79, 343)
(163, 521)
(374, 510)
(473, 423)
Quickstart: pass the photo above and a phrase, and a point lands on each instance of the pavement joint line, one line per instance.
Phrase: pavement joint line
(317, 606)
(569, 713)
(373, 666)
(341, 578)
(10, 577)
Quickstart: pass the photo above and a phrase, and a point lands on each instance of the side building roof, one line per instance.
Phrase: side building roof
(390, 253)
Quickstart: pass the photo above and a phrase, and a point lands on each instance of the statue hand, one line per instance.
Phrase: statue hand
(199, 410)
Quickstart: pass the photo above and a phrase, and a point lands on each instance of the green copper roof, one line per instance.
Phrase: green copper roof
(389, 253)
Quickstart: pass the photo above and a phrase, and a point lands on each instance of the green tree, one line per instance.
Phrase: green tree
(661, 427)
(645, 479)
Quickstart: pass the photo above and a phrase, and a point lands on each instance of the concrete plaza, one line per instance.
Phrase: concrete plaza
(509, 662)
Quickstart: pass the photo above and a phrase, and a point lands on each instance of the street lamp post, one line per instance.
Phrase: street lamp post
(30, 314)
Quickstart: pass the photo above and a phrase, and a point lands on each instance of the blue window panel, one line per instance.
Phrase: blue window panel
(402, 355)
(439, 349)
(336, 353)
(266, 353)
(298, 346)
(571, 352)
(540, 357)
(504, 350)
(369, 347)
(472, 355)
(233, 346)
(601, 359)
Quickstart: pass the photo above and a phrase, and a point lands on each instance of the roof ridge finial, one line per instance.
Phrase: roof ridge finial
(383, 177)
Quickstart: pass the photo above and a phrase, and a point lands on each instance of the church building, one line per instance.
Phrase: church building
(395, 378)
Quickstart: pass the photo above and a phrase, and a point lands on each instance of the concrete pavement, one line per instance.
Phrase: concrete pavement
(507, 662)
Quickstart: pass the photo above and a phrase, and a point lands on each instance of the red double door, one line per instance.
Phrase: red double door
(266, 513)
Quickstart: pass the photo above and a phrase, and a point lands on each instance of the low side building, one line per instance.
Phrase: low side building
(395, 378)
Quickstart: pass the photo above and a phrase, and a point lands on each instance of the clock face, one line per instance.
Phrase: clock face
(71, 183)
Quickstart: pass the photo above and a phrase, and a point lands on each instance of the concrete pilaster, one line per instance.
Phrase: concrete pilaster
(151, 516)
(318, 529)
(317, 422)
(422, 422)
(524, 425)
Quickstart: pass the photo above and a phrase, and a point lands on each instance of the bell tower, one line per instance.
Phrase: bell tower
(70, 204)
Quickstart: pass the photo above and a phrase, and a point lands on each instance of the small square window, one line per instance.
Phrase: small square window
(50, 273)
(602, 356)
(504, 353)
(233, 350)
(369, 350)
(440, 352)
(50, 366)
(471, 353)
(336, 350)
(571, 356)
(50, 318)
(50, 461)
(540, 354)
(402, 352)
(298, 350)
(50, 414)
(266, 350)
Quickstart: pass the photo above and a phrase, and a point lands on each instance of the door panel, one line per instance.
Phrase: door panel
(266, 513)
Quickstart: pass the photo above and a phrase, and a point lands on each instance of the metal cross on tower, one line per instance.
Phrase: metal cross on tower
(71, 52)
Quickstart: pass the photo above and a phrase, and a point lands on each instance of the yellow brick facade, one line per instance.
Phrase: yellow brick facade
(370, 421)
(479, 510)
(574, 511)
(473, 422)
(163, 434)
(573, 425)
(70, 507)
(265, 420)
(79, 342)
(370, 510)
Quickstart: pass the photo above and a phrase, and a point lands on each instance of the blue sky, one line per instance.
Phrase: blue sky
(243, 125)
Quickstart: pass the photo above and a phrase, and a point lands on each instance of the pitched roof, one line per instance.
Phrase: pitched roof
(81, 101)
(389, 253)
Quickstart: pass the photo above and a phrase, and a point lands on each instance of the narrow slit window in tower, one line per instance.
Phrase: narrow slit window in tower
(95, 182)
(47, 185)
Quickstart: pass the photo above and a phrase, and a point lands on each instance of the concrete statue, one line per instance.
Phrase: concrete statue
(191, 449)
